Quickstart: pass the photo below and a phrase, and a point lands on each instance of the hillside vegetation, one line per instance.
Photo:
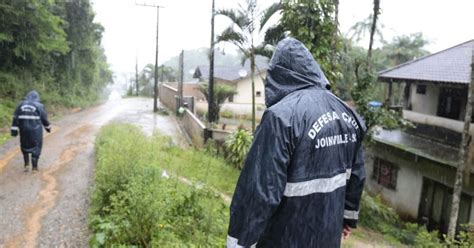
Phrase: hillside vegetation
(52, 47)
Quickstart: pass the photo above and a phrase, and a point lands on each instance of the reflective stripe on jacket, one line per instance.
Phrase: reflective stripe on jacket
(304, 173)
(29, 119)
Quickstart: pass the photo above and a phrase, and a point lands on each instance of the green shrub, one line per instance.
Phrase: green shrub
(133, 205)
(378, 217)
(227, 114)
(237, 146)
(6, 112)
(465, 238)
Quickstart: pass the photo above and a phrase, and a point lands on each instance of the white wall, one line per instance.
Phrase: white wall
(405, 199)
(244, 90)
(427, 103)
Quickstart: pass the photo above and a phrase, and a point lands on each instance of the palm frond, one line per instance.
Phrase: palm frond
(274, 34)
(238, 18)
(231, 36)
(243, 59)
(264, 50)
(268, 13)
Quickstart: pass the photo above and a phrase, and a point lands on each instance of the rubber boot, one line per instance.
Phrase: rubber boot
(34, 161)
(26, 158)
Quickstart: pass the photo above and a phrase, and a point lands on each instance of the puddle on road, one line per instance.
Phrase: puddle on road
(139, 112)
(9, 156)
(81, 131)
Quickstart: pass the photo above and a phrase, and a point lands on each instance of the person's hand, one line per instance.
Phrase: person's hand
(346, 231)
(48, 129)
(14, 133)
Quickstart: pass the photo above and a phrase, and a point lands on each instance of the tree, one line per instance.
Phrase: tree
(167, 74)
(248, 23)
(315, 23)
(31, 38)
(146, 78)
(401, 49)
(463, 157)
(363, 90)
(53, 47)
(221, 93)
(361, 28)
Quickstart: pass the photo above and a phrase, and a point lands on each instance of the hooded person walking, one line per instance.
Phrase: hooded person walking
(29, 120)
(304, 174)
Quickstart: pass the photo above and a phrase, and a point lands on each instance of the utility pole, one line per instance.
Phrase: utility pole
(155, 92)
(136, 74)
(211, 108)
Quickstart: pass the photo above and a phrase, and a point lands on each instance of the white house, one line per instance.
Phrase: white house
(239, 77)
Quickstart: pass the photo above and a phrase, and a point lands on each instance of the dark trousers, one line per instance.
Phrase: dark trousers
(34, 160)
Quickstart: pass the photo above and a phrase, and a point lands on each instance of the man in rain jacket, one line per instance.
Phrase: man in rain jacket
(304, 174)
(29, 120)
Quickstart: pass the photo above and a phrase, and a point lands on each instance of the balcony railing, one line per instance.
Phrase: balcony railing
(437, 121)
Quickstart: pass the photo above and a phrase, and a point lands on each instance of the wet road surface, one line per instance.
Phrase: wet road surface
(50, 208)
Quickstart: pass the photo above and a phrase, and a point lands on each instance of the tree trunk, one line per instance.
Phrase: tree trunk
(463, 155)
(372, 30)
(334, 43)
(252, 75)
(136, 74)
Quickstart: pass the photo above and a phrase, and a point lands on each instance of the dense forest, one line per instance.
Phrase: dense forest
(53, 47)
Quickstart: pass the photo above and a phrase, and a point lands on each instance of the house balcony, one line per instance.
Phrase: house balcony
(433, 137)
(436, 121)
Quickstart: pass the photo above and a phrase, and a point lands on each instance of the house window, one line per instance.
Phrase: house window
(231, 98)
(259, 93)
(421, 89)
(385, 173)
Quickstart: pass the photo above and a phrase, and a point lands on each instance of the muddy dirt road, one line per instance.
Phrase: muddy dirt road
(50, 208)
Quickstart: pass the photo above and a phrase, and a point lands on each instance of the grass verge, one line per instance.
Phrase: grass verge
(133, 204)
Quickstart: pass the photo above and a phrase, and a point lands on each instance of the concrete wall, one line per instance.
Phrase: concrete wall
(194, 128)
(220, 135)
(167, 95)
(427, 103)
(244, 89)
(405, 199)
(190, 89)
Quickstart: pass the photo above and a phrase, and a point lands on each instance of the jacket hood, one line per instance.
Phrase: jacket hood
(291, 68)
(32, 96)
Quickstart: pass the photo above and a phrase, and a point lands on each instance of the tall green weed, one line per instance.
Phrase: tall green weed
(133, 204)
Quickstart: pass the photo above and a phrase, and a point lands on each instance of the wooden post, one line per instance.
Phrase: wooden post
(180, 80)
(388, 101)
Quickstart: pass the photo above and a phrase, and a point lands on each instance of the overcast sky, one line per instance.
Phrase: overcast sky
(185, 24)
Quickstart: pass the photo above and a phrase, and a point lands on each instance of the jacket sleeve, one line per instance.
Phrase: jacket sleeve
(15, 123)
(354, 189)
(261, 183)
(44, 118)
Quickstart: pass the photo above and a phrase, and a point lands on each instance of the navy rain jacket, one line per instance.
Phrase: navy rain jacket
(304, 174)
(29, 119)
